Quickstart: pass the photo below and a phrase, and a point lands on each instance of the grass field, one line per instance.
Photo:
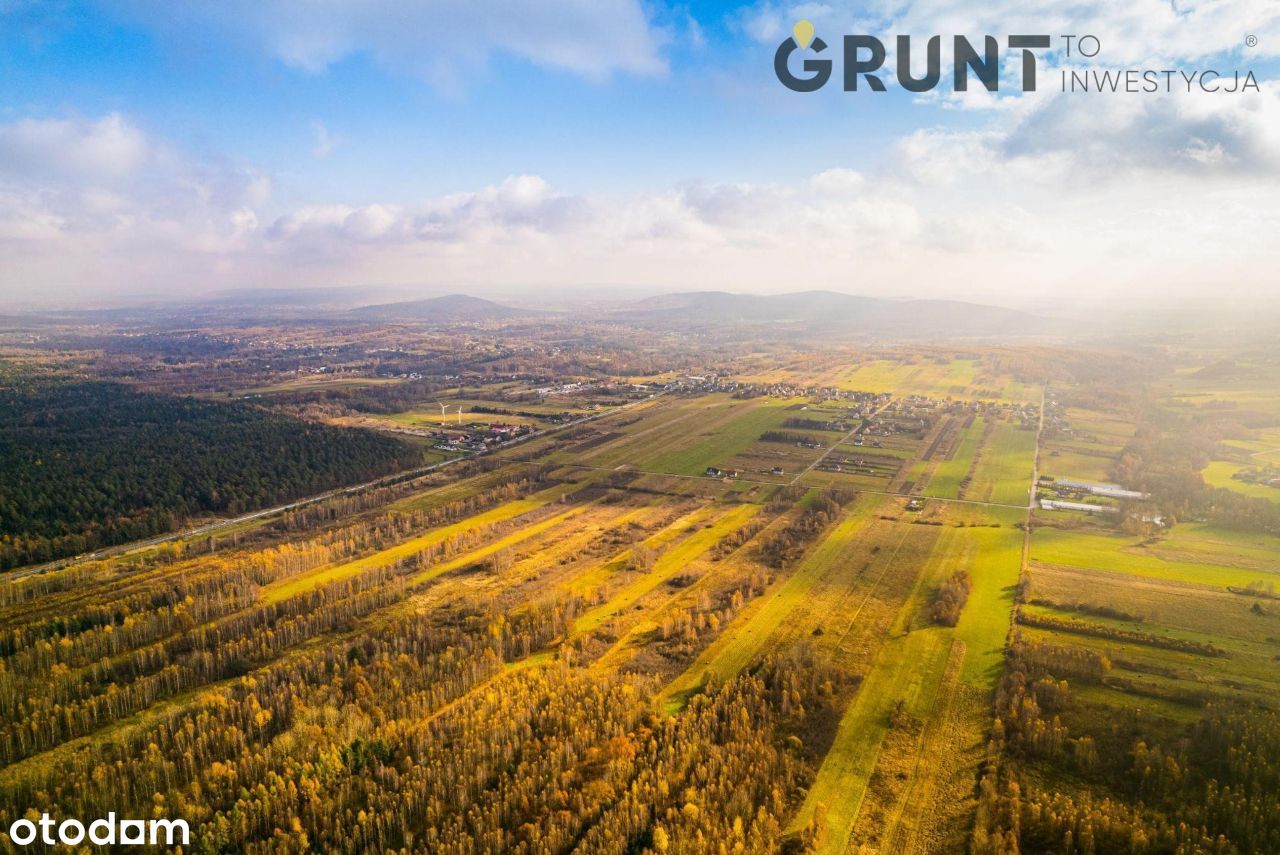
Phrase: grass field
(929, 377)
(948, 477)
(431, 418)
(1003, 472)
(1187, 559)
(993, 559)
(733, 434)
(909, 670)
(1220, 473)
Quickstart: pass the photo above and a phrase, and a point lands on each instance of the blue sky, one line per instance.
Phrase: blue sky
(715, 112)
(507, 147)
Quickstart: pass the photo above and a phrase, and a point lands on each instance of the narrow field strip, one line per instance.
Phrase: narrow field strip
(908, 669)
(484, 552)
(668, 565)
(1003, 475)
(948, 479)
(903, 831)
(747, 635)
(601, 572)
(292, 586)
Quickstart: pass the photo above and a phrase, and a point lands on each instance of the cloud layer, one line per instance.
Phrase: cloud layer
(1087, 195)
(1136, 31)
(1141, 195)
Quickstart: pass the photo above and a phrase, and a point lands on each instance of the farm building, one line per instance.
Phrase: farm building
(1054, 505)
(1111, 491)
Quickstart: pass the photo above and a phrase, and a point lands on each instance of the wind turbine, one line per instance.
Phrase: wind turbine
(443, 407)
(459, 415)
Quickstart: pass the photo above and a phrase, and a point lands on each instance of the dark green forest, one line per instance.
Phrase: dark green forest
(89, 464)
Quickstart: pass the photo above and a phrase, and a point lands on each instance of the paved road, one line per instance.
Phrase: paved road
(120, 549)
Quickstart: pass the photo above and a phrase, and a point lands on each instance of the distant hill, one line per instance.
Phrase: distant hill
(449, 309)
(832, 313)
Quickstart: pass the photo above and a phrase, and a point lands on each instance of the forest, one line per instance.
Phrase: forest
(85, 464)
(583, 644)
(1166, 456)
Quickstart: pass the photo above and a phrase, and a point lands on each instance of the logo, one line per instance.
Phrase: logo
(101, 832)
(863, 56)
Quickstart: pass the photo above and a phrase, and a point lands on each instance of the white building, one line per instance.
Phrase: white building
(1055, 505)
(1111, 491)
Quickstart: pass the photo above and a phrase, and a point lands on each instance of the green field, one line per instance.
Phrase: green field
(738, 428)
(1127, 555)
(1219, 473)
(948, 477)
(1003, 472)
(909, 670)
(993, 558)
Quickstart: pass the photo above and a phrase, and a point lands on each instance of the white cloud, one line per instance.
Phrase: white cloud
(107, 148)
(1148, 196)
(1129, 32)
(442, 41)
(93, 205)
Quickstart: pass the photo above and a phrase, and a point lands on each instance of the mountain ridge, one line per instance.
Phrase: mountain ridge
(833, 312)
(450, 308)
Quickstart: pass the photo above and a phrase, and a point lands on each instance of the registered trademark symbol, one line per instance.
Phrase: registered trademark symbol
(1250, 41)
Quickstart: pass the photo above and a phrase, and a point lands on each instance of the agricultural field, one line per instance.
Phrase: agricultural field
(1146, 641)
(1242, 385)
(928, 372)
(1003, 465)
(1224, 474)
(813, 610)
(1083, 444)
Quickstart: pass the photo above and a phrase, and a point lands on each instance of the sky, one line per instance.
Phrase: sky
(521, 149)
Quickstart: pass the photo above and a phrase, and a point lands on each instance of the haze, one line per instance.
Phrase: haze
(618, 149)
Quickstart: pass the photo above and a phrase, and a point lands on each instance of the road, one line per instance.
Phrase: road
(850, 435)
(1035, 479)
(209, 528)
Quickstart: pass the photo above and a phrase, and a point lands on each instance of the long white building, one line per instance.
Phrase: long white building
(1111, 491)
(1055, 505)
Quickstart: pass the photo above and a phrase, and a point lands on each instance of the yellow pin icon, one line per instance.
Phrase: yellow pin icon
(803, 32)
